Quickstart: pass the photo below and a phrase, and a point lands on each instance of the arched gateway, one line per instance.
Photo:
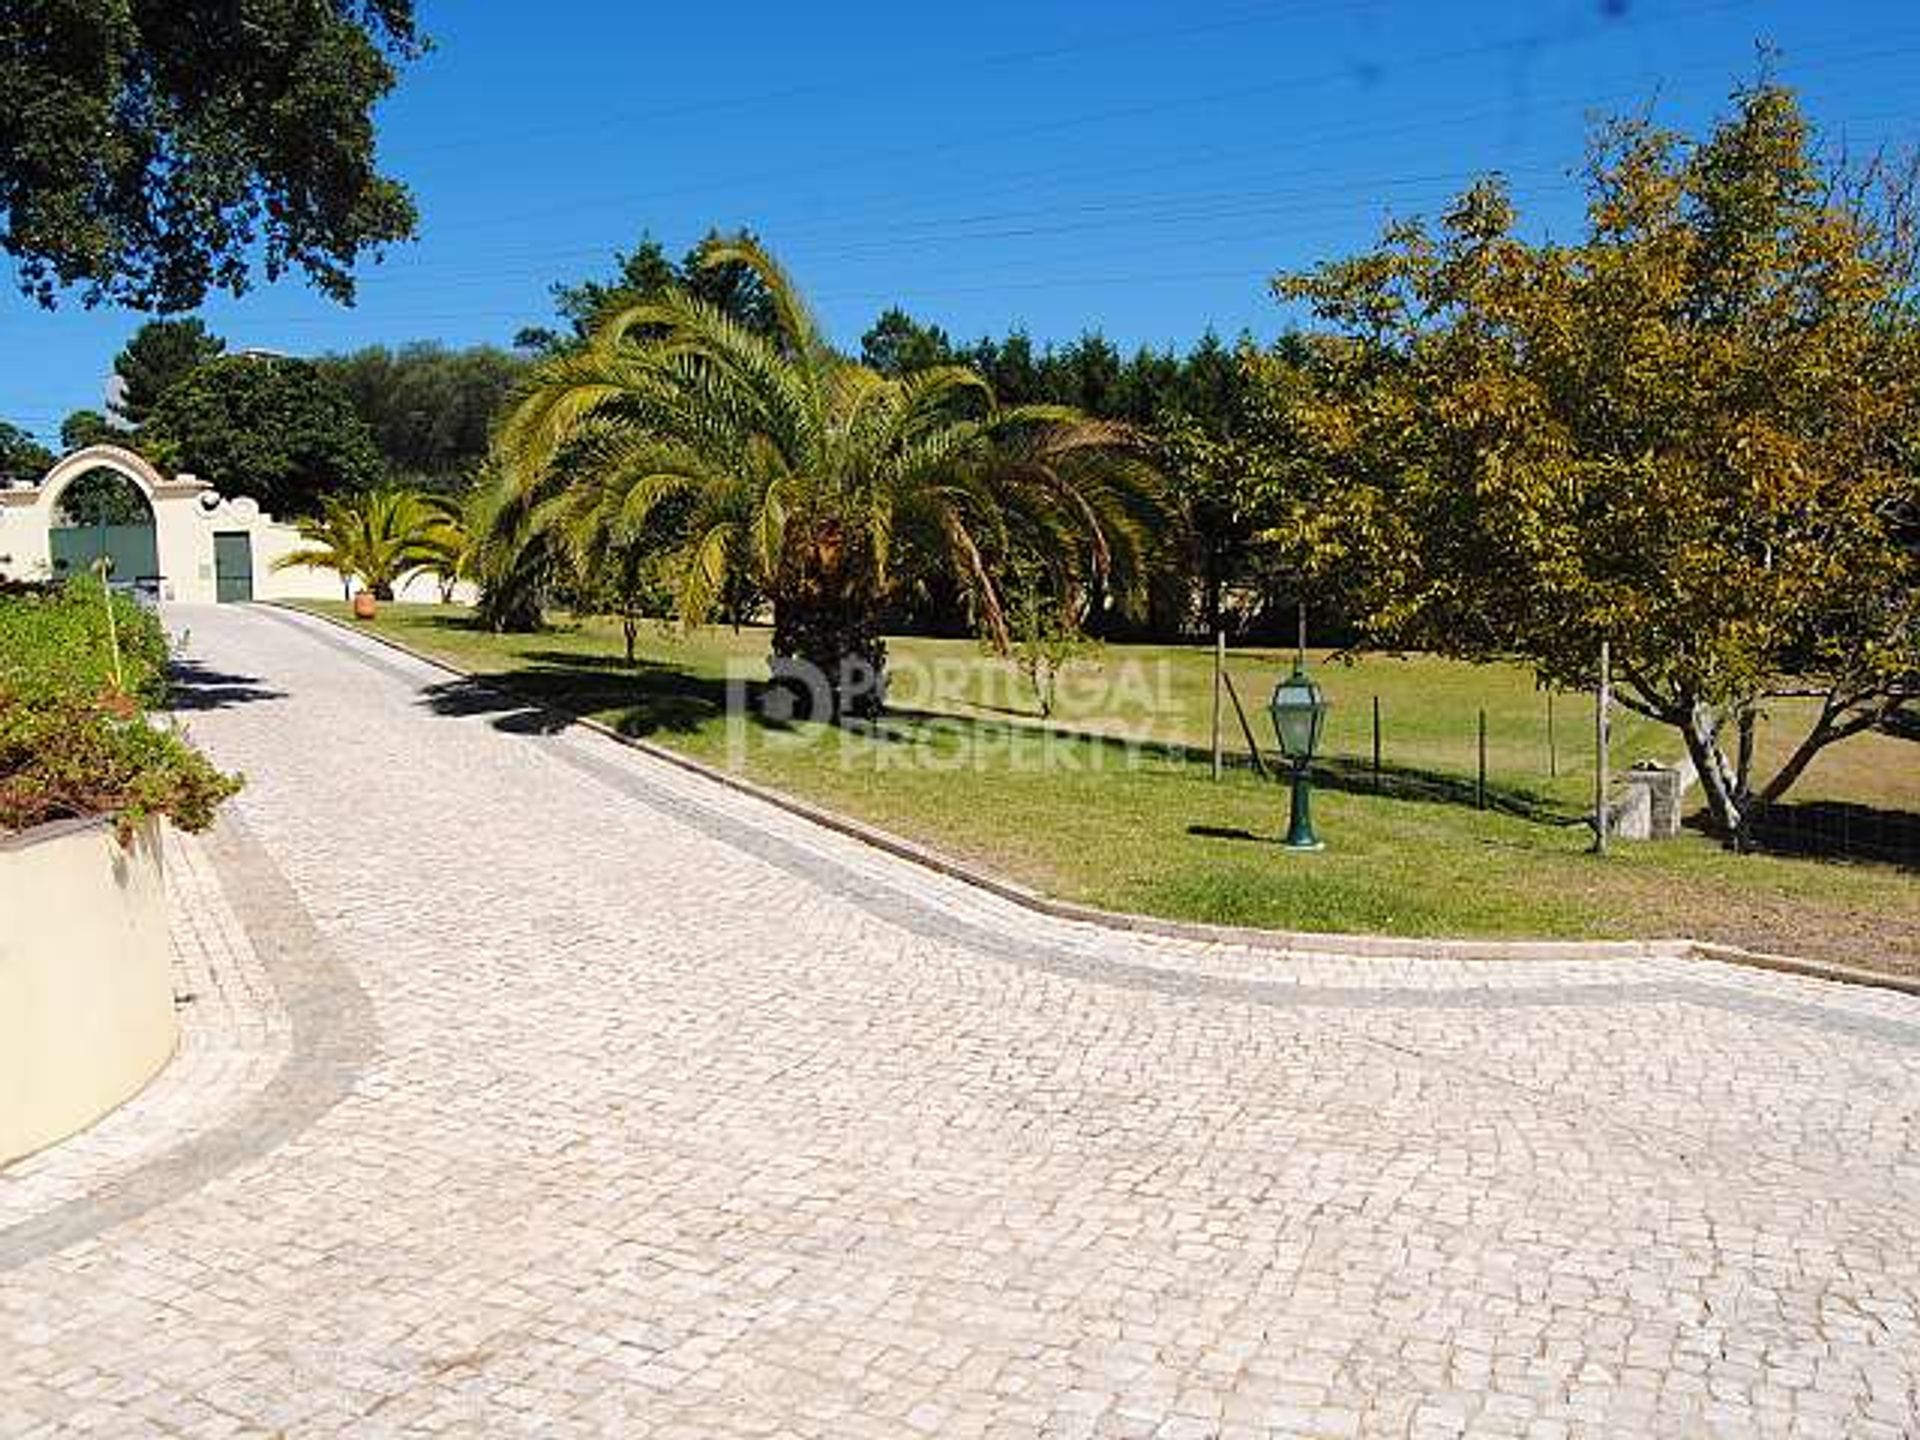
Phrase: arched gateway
(88, 520)
(203, 545)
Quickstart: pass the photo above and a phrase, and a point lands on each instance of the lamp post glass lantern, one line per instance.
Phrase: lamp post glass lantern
(1299, 711)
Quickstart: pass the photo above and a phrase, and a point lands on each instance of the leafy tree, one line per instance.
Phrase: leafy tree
(429, 408)
(1009, 367)
(160, 354)
(1206, 478)
(1086, 375)
(376, 537)
(1045, 632)
(1193, 406)
(21, 456)
(277, 429)
(88, 427)
(641, 275)
(152, 152)
(103, 497)
(826, 479)
(1690, 434)
(897, 344)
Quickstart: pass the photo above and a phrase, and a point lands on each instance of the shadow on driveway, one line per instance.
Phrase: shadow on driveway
(192, 686)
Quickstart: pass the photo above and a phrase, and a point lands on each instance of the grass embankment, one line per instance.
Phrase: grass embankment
(957, 768)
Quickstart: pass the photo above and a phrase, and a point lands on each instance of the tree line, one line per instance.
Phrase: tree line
(1692, 432)
(291, 432)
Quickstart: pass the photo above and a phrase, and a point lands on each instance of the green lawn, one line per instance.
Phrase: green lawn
(960, 766)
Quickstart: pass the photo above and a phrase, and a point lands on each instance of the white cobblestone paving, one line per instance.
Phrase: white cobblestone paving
(604, 1101)
(234, 1036)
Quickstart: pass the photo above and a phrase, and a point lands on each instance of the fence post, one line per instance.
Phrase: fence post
(1376, 744)
(1602, 698)
(1219, 667)
(1480, 787)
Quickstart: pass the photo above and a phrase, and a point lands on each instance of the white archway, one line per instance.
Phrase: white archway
(198, 533)
(125, 463)
(27, 517)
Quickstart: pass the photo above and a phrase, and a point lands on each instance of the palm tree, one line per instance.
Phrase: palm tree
(445, 547)
(513, 563)
(829, 484)
(375, 537)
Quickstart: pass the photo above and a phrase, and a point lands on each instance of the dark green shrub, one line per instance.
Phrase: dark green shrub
(75, 738)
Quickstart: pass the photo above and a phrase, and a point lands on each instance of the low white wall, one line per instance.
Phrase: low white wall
(271, 540)
(187, 513)
(86, 983)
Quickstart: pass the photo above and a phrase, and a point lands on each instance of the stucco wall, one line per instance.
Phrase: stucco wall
(26, 516)
(272, 540)
(86, 984)
(187, 513)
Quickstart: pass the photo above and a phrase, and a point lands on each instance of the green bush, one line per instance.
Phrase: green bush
(55, 641)
(75, 736)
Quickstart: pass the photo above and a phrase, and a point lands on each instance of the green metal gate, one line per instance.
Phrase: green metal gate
(232, 565)
(76, 548)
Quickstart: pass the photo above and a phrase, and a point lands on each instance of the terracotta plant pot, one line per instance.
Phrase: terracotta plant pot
(363, 605)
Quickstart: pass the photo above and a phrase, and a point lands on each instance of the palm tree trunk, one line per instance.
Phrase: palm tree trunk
(830, 653)
(827, 648)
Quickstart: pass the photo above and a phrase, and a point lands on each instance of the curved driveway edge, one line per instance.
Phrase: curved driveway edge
(1131, 958)
(687, 1118)
(332, 1038)
(1290, 942)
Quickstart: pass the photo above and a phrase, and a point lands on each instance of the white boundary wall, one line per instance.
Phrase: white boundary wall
(187, 513)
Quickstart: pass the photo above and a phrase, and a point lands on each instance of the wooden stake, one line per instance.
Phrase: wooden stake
(1376, 744)
(105, 567)
(1602, 699)
(1480, 787)
(1553, 750)
(1253, 747)
(1219, 669)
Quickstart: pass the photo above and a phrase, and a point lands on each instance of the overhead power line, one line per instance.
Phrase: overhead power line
(842, 85)
(1531, 42)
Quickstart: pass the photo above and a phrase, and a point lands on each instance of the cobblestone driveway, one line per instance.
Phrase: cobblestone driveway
(534, 1087)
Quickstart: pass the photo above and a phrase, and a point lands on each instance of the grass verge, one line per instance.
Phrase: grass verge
(1097, 822)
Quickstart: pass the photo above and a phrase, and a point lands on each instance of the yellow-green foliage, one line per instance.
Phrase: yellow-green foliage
(1690, 434)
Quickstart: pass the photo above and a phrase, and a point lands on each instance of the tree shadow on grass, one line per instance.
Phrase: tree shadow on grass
(1834, 830)
(644, 701)
(466, 624)
(1353, 776)
(1903, 724)
(650, 699)
(1401, 782)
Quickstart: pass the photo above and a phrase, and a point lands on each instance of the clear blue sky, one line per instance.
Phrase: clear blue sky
(1138, 167)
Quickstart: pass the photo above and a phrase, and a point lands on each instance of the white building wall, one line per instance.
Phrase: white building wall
(187, 513)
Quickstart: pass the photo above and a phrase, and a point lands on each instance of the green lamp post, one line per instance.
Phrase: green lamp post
(1299, 710)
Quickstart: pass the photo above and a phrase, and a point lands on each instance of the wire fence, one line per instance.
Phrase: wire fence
(1487, 736)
